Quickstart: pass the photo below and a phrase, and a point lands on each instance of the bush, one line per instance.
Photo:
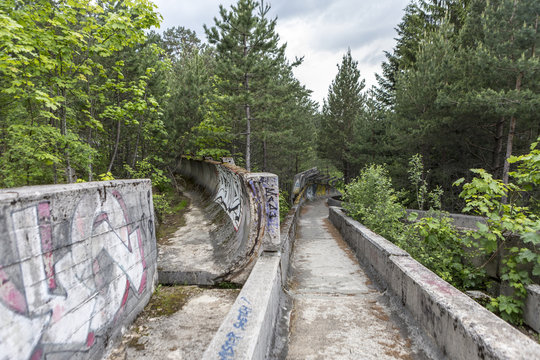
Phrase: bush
(371, 200)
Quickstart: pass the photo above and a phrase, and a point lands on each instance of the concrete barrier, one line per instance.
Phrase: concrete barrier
(78, 263)
(494, 264)
(249, 329)
(461, 221)
(251, 203)
(462, 328)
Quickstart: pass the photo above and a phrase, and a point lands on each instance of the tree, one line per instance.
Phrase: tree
(342, 110)
(54, 68)
(248, 54)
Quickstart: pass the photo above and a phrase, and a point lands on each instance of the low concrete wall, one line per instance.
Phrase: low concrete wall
(78, 263)
(461, 328)
(251, 203)
(461, 221)
(249, 329)
(493, 266)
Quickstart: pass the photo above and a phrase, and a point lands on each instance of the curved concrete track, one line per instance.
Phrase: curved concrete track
(337, 312)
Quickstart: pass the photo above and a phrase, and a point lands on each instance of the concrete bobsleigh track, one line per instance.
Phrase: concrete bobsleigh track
(242, 221)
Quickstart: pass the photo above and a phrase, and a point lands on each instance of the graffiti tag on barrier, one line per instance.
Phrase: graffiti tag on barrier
(233, 337)
(271, 195)
(229, 195)
(53, 305)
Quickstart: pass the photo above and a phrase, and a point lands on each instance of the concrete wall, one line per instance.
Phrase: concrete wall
(249, 330)
(78, 263)
(251, 203)
(462, 328)
(494, 265)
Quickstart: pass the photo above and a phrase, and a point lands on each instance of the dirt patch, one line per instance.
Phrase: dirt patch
(167, 300)
(397, 355)
(379, 312)
(180, 204)
(304, 209)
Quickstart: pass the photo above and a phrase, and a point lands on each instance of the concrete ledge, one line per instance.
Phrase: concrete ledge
(461, 328)
(257, 307)
(531, 312)
(78, 264)
(461, 221)
(246, 332)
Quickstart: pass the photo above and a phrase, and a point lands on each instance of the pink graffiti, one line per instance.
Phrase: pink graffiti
(87, 301)
(10, 295)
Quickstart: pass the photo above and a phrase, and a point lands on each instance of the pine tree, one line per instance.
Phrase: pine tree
(342, 110)
(248, 55)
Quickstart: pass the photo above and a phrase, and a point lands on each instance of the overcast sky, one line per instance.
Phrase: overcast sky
(319, 30)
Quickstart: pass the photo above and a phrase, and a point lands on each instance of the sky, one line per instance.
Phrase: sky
(319, 30)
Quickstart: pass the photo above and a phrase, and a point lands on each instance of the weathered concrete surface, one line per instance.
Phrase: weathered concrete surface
(250, 226)
(183, 335)
(246, 332)
(531, 312)
(78, 263)
(459, 326)
(493, 266)
(337, 312)
(188, 256)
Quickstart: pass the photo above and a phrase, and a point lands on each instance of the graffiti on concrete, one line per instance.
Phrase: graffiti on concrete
(229, 195)
(57, 295)
(234, 337)
(271, 196)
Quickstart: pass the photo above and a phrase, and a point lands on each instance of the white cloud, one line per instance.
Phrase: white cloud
(319, 30)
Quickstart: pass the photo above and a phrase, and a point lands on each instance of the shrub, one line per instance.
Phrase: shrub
(371, 200)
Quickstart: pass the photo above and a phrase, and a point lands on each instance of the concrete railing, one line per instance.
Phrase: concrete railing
(250, 328)
(251, 203)
(78, 263)
(494, 264)
(460, 327)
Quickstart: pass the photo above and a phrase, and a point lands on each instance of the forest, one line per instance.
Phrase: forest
(88, 91)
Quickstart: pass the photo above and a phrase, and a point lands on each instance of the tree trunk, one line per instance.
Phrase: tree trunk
(248, 113)
(63, 131)
(90, 155)
(113, 157)
(248, 139)
(265, 165)
(118, 128)
(498, 148)
(510, 141)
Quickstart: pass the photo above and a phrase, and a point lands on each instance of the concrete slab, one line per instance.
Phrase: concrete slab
(247, 329)
(337, 312)
(187, 257)
(183, 335)
(461, 328)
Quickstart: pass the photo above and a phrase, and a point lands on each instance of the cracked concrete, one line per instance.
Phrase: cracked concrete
(183, 335)
(187, 257)
(337, 312)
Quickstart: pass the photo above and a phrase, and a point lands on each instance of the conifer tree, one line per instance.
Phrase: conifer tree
(248, 55)
(342, 110)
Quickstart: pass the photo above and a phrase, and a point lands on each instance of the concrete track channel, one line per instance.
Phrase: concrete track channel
(337, 312)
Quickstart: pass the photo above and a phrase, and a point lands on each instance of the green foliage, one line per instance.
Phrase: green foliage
(371, 199)
(68, 86)
(146, 169)
(436, 243)
(433, 240)
(160, 182)
(417, 177)
(342, 110)
(162, 205)
(108, 176)
(484, 196)
(284, 205)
